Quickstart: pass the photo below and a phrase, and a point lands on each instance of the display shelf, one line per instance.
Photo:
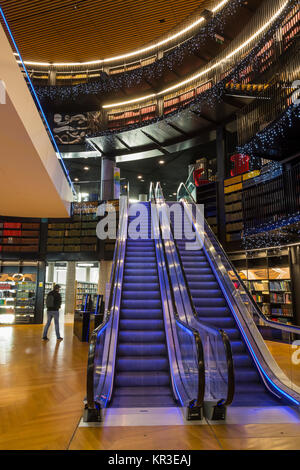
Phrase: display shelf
(267, 276)
(77, 235)
(19, 236)
(23, 299)
(81, 290)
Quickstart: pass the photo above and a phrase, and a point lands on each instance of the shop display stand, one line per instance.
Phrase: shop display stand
(17, 298)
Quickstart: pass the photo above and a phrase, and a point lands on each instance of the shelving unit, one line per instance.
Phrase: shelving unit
(233, 193)
(268, 278)
(81, 289)
(19, 237)
(17, 299)
(78, 235)
(207, 195)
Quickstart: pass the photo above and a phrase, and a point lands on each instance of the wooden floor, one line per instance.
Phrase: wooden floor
(42, 388)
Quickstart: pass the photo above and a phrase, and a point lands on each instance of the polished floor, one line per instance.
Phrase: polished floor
(42, 388)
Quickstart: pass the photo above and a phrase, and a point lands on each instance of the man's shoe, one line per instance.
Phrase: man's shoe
(59, 339)
(45, 338)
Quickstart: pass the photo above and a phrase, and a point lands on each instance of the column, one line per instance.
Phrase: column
(294, 256)
(104, 276)
(70, 287)
(107, 179)
(221, 155)
(143, 197)
(50, 274)
(88, 274)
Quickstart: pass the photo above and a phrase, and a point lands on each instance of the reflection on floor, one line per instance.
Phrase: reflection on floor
(41, 400)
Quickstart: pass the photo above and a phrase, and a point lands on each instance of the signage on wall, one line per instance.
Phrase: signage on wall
(17, 277)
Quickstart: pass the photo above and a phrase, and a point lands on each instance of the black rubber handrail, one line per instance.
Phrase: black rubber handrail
(90, 398)
(198, 402)
(222, 333)
(276, 325)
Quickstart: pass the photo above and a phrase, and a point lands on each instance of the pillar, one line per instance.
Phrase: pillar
(143, 197)
(50, 275)
(70, 287)
(104, 276)
(107, 179)
(88, 274)
(221, 156)
(52, 77)
(294, 255)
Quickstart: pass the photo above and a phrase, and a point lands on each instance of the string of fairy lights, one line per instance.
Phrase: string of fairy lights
(130, 79)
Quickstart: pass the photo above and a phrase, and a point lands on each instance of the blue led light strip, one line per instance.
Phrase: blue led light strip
(248, 343)
(289, 397)
(37, 100)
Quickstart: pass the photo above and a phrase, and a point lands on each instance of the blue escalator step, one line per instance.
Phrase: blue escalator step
(141, 314)
(142, 325)
(142, 349)
(132, 336)
(145, 379)
(142, 363)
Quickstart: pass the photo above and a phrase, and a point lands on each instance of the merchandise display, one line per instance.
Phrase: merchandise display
(17, 298)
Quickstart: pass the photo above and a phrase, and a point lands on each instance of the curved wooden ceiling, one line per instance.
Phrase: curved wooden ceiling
(82, 30)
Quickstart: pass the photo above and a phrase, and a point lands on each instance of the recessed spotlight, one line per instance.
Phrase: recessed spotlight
(161, 162)
(76, 179)
(143, 181)
(86, 168)
(174, 194)
(140, 177)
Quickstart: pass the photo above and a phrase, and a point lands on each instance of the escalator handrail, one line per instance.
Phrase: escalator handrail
(199, 346)
(215, 331)
(107, 317)
(273, 324)
(274, 378)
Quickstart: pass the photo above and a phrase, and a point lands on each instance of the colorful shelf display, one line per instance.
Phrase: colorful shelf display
(269, 283)
(19, 237)
(17, 298)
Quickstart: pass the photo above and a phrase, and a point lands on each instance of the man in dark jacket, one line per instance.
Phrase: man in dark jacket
(53, 303)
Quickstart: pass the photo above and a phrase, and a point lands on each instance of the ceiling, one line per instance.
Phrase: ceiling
(82, 30)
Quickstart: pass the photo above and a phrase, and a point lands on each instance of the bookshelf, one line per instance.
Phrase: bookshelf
(17, 299)
(19, 237)
(267, 275)
(79, 235)
(81, 289)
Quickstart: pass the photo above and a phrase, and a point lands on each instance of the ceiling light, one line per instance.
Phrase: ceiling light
(86, 168)
(140, 177)
(161, 162)
(133, 53)
(76, 179)
(205, 71)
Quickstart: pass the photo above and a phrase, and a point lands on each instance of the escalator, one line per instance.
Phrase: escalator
(142, 376)
(221, 303)
(143, 354)
(212, 308)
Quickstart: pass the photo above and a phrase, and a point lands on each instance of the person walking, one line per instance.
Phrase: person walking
(53, 303)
